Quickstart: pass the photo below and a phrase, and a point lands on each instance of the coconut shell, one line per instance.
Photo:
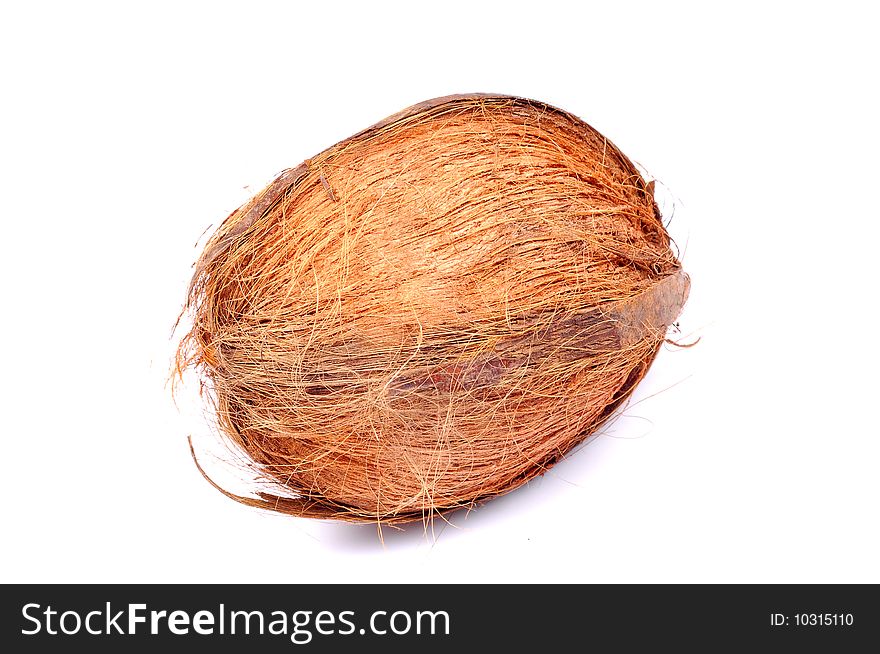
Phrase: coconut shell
(431, 312)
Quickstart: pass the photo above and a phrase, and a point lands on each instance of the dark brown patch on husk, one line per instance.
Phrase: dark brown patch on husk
(432, 311)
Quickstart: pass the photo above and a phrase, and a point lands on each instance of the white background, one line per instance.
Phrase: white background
(127, 131)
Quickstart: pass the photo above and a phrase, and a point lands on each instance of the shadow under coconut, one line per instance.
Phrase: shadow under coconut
(367, 537)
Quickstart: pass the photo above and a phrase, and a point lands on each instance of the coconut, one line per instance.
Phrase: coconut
(431, 312)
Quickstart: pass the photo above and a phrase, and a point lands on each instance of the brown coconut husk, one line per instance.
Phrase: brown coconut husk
(433, 311)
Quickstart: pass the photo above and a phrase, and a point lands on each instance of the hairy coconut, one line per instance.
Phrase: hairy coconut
(433, 311)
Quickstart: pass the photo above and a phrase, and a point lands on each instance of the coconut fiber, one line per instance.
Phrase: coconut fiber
(431, 312)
